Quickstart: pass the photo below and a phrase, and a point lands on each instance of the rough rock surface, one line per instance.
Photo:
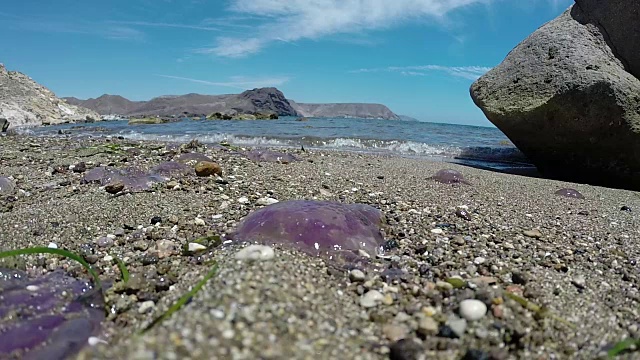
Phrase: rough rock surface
(25, 102)
(568, 98)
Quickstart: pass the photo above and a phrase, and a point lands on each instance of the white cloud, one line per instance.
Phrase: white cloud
(292, 20)
(166, 25)
(238, 82)
(466, 72)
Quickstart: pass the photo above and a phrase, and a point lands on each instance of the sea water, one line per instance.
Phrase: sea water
(484, 147)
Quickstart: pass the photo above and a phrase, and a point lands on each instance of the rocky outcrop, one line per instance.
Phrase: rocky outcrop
(568, 96)
(345, 110)
(257, 101)
(24, 102)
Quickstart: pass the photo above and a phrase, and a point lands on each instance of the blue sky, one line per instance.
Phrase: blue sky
(418, 57)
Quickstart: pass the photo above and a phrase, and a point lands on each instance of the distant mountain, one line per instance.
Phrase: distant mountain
(367, 111)
(25, 102)
(263, 100)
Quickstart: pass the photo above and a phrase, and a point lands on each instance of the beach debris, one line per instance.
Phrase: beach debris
(261, 155)
(449, 176)
(572, 193)
(315, 226)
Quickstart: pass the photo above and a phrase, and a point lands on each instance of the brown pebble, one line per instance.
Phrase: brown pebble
(207, 168)
(498, 311)
(114, 187)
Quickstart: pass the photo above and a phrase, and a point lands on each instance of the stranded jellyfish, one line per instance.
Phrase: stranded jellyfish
(449, 176)
(316, 227)
(270, 156)
(134, 179)
(48, 317)
(573, 193)
(6, 185)
(172, 168)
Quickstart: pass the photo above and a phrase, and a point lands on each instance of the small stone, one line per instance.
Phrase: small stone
(479, 260)
(371, 299)
(405, 349)
(79, 167)
(195, 247)
(444, 286)
(256, 252)
(472, 309)
(394, 332)
(625, 208)
(32, 288)
(579, 282)
(387, 299)
(534, 233)
(458, 326)
(356, 275)
(207, 168)
(243, 200)
(52, 245)
(156, 220)
(266, 201)
(428, 326)
(199, 222)
(519, 278)
(114, 187)
(146, 306)
(104, 242)
(437, 231)
(464, 214)
(474, 354)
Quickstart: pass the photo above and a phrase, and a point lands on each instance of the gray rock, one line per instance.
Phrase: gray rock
(566, 99)
(24, 102)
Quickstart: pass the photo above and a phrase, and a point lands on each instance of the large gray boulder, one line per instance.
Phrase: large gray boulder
(567, 95)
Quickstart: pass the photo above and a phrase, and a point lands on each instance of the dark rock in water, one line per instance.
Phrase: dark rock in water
(270, 156)
(6, 185)
(567, 95)
(449, 176)
(48, 317)
(569, 193)
(316, 227)
(192, 158)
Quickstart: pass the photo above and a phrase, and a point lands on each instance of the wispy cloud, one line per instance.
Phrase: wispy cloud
(238, 82)
(165, 25)
(466, 72)
(39, 24)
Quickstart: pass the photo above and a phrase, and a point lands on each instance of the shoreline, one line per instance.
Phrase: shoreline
(581, 266)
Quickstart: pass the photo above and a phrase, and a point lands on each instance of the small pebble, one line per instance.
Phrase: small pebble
(266, 201)
(195, 247)
(243, 200)
(52, 245)
(458, 326)
(579, 282)
(371, 299)
(427, 326)
(356, 275)
(256, 252)
(199, 222)
(479, 260)
(146, 306)
(534, 233)
(437, 231)
(394, 332)
(472, 309)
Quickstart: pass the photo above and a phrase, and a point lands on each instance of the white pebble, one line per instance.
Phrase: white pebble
(479, 260)
(216, 216)
(93, 341)
(199, 221)
(146, 306)
(266, 201)
(52, 245)
(108, 258)
(472, 309)
(33, 288)
(194, 247)
(256, 252)
(371, 299)
(356, 275)
(437, 231)
(243, 200)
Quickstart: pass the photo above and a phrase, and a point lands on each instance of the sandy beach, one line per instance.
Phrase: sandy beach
(574, 258)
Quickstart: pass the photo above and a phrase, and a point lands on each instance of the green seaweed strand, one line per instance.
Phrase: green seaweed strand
(65, 253)
(183, 299)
